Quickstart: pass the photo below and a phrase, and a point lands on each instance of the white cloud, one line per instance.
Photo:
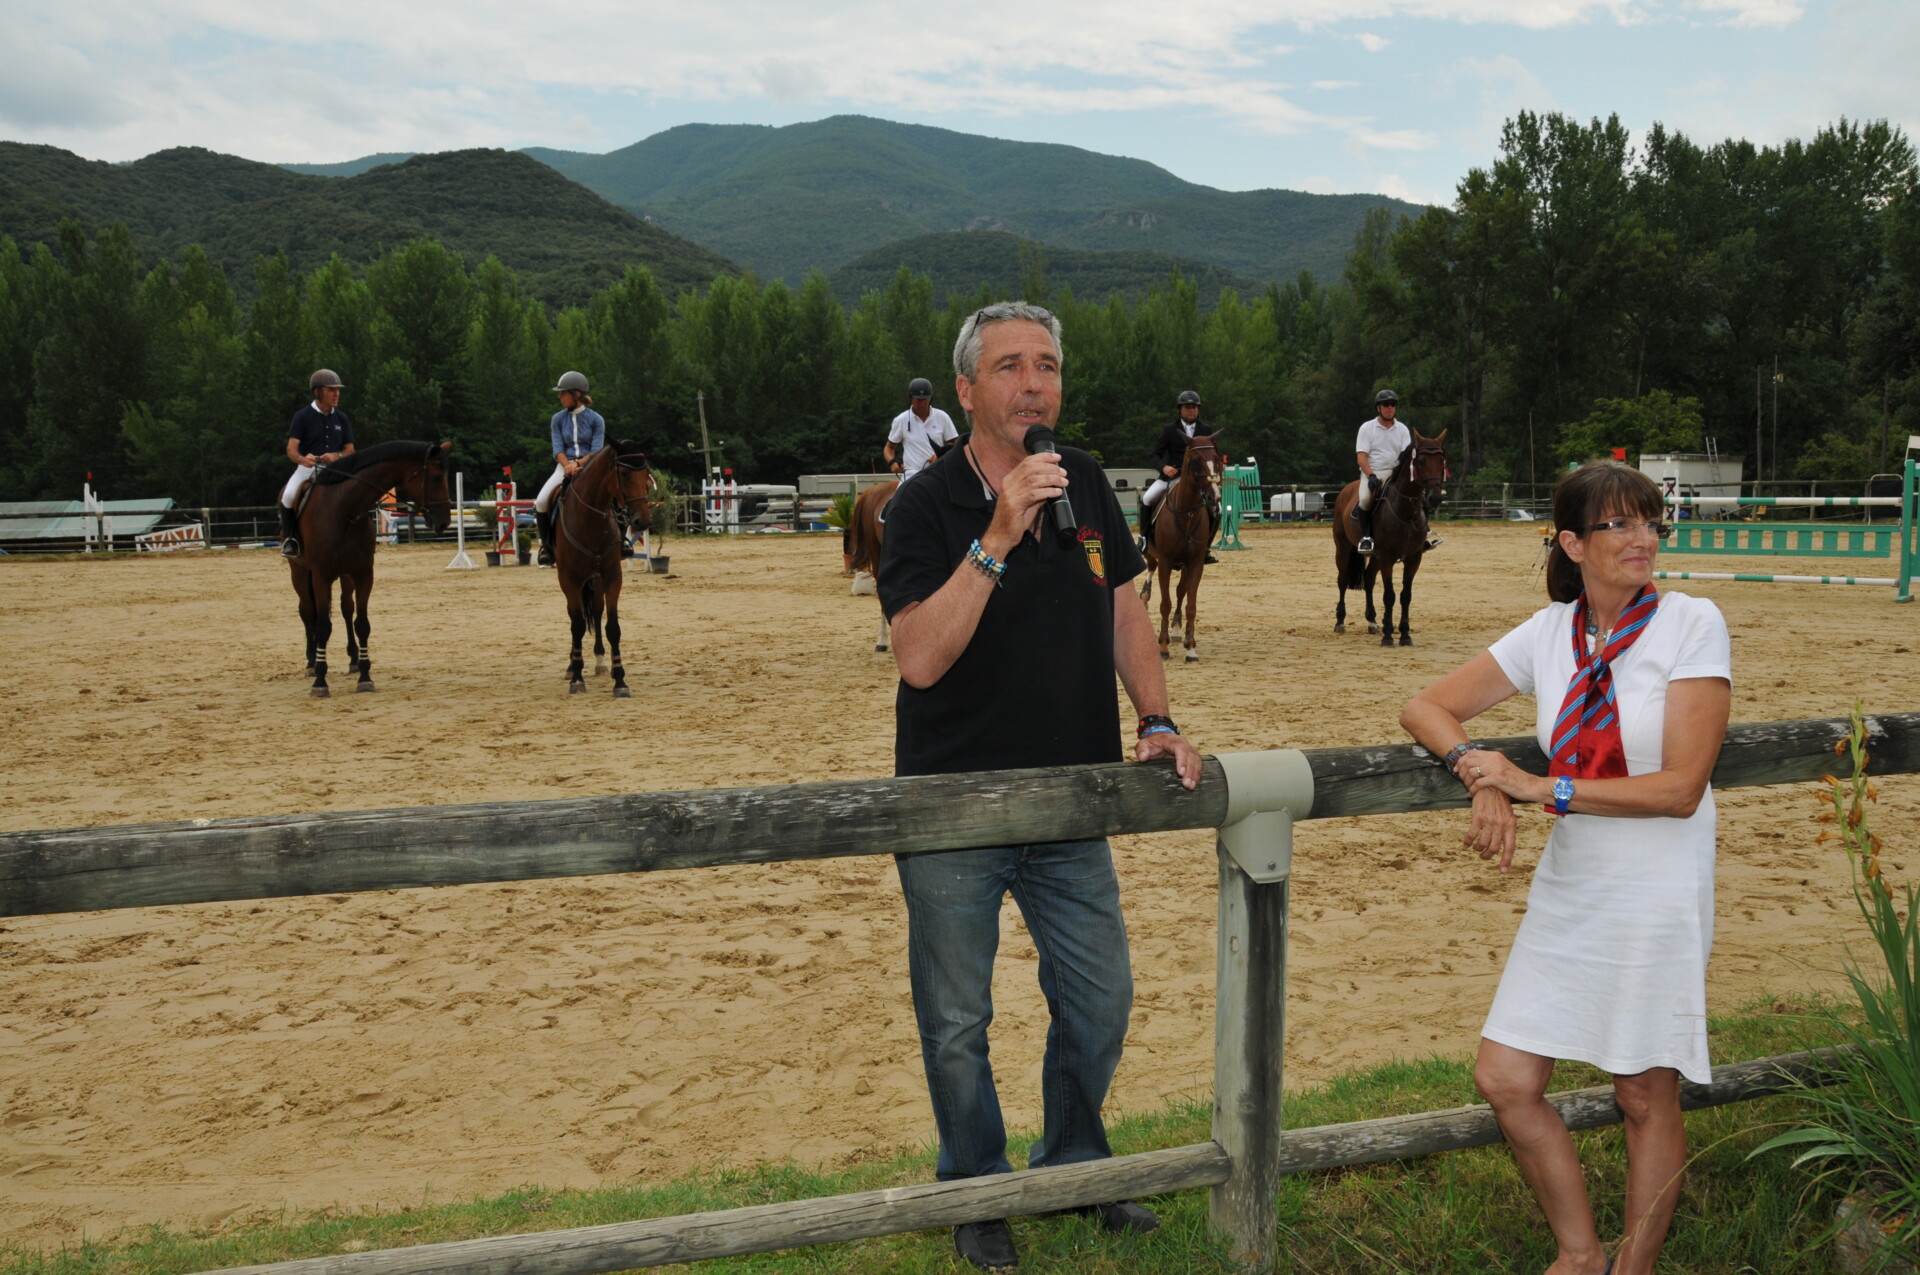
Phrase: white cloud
(1756, 13)
(1329, 85)
(1371, 42)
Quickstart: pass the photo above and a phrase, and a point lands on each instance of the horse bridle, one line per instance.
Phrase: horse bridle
(616, 511)
(414, 508)
(1396, 489)
(1188, 540)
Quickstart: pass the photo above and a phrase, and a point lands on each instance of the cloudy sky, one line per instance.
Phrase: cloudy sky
(1400, 96)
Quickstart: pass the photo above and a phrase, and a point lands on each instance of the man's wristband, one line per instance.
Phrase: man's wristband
(1155, 724)
(985, 563)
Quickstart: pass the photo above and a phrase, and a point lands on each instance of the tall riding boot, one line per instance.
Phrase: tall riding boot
(1366, 529)
(1146, 525)
(545, 523)
(1213, 534)
(289, 533)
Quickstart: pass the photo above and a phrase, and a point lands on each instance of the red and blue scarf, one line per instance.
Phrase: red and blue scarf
(1586, 740)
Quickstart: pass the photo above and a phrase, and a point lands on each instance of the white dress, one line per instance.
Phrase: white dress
(1610, 964)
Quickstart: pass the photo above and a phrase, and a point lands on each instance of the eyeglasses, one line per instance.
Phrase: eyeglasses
(1660, 530)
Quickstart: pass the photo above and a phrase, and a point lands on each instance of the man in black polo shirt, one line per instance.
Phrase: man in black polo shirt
(1007, 634)
(319, 435)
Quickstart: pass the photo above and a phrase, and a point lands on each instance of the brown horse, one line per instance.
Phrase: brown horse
(611, 493)
(864, 539)
(1177, 541)
(1411, 492)
(336, 541)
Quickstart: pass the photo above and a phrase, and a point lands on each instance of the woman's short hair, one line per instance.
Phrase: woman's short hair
(1598, 490)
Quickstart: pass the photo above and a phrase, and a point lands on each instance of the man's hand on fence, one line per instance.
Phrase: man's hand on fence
(1186, 758)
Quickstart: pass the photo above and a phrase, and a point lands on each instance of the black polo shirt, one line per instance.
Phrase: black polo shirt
(1035, 686)
(320, 432)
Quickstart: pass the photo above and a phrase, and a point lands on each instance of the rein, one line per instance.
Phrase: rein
(415, 508)
(1182, 513)
(617, 518)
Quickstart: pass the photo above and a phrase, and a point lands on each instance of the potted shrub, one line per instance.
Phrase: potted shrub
(840, 514)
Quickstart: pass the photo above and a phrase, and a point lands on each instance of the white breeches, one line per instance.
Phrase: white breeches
(544, 501)
(1366, 493)
(291, 492)
(1156, 489)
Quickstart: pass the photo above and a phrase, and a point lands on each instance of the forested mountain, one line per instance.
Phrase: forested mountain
(563, 240)
(818, 195)
(963, 261)
(351, 167)
(1583, 292)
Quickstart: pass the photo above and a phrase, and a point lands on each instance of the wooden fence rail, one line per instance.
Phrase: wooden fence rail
(1252, 798)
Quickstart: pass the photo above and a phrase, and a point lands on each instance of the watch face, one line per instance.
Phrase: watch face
(1563, 788)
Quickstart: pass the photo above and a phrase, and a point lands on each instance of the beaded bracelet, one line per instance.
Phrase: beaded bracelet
(1452, 760)
(990, 567)
(1155, 724)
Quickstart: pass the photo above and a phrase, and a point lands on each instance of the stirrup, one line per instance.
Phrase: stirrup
(290, 547)
(545, 556)
(1434, 540)
(1365, 545)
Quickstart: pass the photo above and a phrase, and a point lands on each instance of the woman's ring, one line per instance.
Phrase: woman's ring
(1477, 772)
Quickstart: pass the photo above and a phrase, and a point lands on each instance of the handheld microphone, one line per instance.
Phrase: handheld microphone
(1040, 439)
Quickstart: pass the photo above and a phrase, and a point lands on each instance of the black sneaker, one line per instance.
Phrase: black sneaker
(987, 1246)
(1211, 559)
(1122, 1217)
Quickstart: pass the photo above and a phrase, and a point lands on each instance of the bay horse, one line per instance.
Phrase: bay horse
(864, 540)
(611, 493)
(335, 525)
(1177, 541)
(1412, 491)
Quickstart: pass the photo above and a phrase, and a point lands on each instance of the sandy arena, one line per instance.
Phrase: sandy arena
(192, 1064)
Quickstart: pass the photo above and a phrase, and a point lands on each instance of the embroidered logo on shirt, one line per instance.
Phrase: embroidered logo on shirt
(1096, 553)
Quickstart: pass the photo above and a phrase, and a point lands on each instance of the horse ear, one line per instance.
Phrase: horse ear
(1443, 435)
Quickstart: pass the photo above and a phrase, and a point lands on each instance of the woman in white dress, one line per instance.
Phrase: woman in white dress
(1609, 966)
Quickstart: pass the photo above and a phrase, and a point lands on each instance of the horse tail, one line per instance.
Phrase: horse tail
(864, 530)
(1356, 572)
(589, 605)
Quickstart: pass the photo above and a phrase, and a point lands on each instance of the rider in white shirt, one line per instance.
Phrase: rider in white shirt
(1377, 449)
(919, 434)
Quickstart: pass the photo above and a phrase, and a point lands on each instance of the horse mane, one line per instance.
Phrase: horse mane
(378, 454)
(625, 449)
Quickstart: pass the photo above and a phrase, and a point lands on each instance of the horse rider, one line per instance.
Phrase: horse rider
(922, 434)
(320, 435)
(1377, 450)
(1170, 453)
(576, 432)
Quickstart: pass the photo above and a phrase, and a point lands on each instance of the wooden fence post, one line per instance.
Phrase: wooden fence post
(1265, 793)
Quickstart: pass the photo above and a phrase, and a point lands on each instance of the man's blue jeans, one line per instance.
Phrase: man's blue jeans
(1071, 901)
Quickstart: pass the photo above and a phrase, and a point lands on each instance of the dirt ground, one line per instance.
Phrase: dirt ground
(190, 1064)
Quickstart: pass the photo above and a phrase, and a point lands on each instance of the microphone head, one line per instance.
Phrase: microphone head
(1039, 439)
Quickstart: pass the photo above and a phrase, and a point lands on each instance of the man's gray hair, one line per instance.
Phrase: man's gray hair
(966, 350)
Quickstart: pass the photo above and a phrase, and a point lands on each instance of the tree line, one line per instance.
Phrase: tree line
(1583, 292)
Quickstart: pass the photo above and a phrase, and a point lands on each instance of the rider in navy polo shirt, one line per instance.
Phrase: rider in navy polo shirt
(320, 435)
(1008, 634)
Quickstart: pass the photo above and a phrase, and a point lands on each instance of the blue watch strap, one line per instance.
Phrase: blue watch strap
(1562, 794)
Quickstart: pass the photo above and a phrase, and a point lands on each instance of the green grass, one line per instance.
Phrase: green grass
(1462, 1212)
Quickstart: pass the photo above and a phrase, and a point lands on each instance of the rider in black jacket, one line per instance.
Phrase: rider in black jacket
(1169, 453)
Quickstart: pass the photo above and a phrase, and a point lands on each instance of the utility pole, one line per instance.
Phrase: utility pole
(707, 450)
(1759, 423)
(1776, 416)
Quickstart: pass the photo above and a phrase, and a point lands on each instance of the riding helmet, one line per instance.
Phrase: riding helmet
(919, 387)
(1188, 398)
(1385, 396)
(325, 378)
(575, 381)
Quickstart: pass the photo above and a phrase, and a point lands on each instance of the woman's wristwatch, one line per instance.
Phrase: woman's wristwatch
(1562, 794)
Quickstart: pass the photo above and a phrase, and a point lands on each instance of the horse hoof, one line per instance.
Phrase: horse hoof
(363, 688)
(320, 692)
(1166, 655)
(599, 670)
(1339, 628)
(1373, 628)
(881, 648)
(1405, 640)
(621, 692)
(575, 688)
(1387, 640)
(1193, 657)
